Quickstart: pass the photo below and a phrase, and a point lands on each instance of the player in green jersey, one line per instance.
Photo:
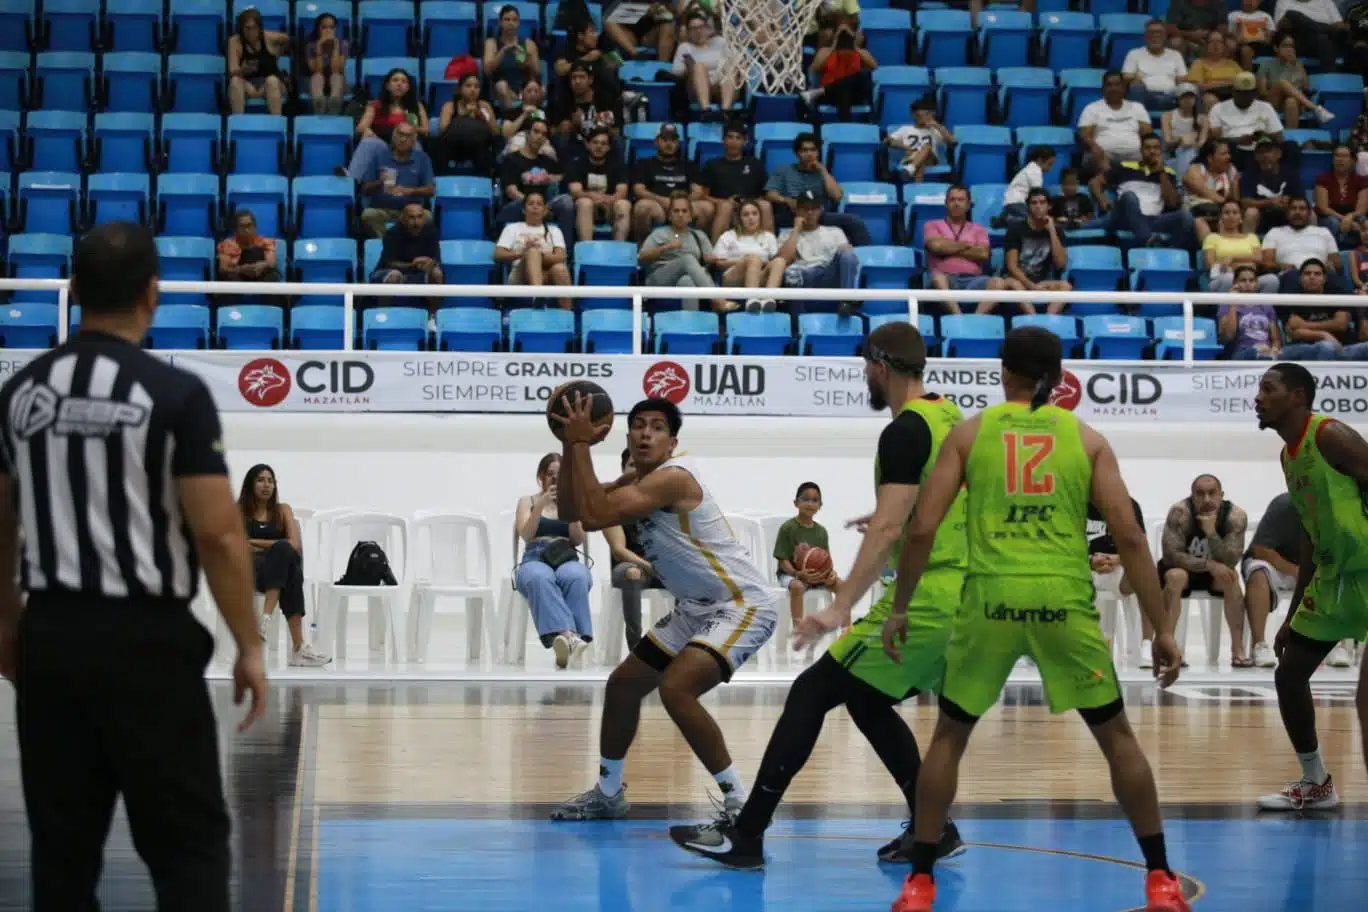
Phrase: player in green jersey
(855, 672)
(1031, 470)
(1326, 467)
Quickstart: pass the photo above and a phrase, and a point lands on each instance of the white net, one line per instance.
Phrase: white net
(765, 43)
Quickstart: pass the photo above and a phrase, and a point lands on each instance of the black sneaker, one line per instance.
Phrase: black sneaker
(899, 850)
(721, 842)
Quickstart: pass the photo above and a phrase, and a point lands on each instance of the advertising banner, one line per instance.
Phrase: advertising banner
(802, 387)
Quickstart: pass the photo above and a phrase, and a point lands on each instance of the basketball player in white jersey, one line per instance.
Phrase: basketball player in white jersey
(724, 608)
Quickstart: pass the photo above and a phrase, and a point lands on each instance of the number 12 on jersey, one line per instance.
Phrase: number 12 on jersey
(1024, 454)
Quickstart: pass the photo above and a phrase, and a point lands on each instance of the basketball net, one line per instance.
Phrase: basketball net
(765, 43)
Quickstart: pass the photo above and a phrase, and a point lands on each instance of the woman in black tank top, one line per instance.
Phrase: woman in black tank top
(253, 68)
(558, 596)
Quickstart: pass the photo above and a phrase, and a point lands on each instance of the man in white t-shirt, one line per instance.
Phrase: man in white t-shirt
(1318, 26)
(1243, 120)
(1288, 247)
(819, 256)
(1153, 72)
(1111, 127)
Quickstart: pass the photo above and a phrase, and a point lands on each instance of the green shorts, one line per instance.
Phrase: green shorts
(930, 615)
(1051, 619)
(1334, 607)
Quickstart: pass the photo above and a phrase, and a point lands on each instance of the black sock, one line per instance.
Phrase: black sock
(1156, 855)
(923, 857)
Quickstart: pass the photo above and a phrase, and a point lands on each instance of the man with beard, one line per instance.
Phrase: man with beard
(856, 672)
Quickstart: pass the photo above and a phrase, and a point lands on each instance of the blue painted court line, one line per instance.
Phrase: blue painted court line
(1263, 865)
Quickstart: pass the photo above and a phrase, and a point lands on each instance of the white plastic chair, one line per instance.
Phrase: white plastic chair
(447, 565)
(813, 600)
(1196, 600)
(343, 532)
(610, 629)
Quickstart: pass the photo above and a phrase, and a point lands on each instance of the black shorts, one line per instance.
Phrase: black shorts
(1197, 581)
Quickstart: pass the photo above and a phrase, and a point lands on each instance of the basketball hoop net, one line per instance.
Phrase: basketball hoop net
(765, 43)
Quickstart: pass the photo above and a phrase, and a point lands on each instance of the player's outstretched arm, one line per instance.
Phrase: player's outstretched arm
(933, 502)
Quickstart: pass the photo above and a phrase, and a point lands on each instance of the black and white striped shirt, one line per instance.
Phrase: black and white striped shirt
(94, 435)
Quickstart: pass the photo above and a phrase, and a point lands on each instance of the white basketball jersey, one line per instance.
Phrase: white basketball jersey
(697, 557)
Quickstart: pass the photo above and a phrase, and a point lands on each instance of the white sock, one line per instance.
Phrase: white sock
(729, 781)
(1313, 768)
(610, 776)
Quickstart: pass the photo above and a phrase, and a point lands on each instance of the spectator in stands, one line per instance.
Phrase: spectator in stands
(1208, 184)
(411, 254)
(1318, 25)
(1154, 71)
(925, 141)
(1190, 21)
(1249, 331)
(748, 255)
(398, 104)
(734, 177)
(584, 49)
(818, 255)
(247, 256)
(1358, 263)
(675, 253)
(253, 68)
(1214, 72)
(1284, 84)
(403, 176)
(534, 250)
(1244, 121)
(803, 529)
(1107, 572)
(1147, 198)
(595, 191)
(1318, 333)
(508, 59)
(699, 63)
(557, 596)
(657, 178)
(1035, 254)
(1342, 199)
(1072, 210)
(808, 175)
(632, 573)
(653, 29)
(957, 250)
(1184, 130)
(845, 71)
(466, 128)
(1251, 31)
(1286, 248)
(277, 560)
(527, 110)
(1269, 569)
(1039, 161)
(528, 168)
(1111, 127)
(1230, 246)
(326, 55)
(585, 109)
(1203, 540)
(1268, 188)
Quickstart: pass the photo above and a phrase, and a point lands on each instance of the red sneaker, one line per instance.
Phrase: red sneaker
(1163, 893)
(918, 894)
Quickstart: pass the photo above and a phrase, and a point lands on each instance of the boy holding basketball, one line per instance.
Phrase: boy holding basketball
(799, 570)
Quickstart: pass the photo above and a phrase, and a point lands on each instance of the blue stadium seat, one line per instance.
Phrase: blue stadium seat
(191, 143)
(887, 267)
(38, 256)
(322, 206)
(877, 204)
(469, 329)
(886, 34)
(532, 329)
(14, 81)
(388, 28)
(64, 80)
(251, 327)
(461, 207)
(1114, 337)
(851, 150)
(179, 326)
(685, 332)
(774, 143)
(926, 325)
(28, 325)
(256, 144)
(186, 259)
(896, 89)
(925, 202)
(1078, 88)
(321, 144)
(1314, 159)
(49, 201)
(394, 328)
(829, 334)
(325, 260)
(1341, 93)
(133, 25)
(438, 90)
(1005, 38)
(606, 332)
(962, 94)
(766, 108)
(6, 214)
(198, 27)
(71, 25)
(943, 37)
(315, 327)
(10, 150)
(375, 69)
(609, 264)
(972, 335)
(1169, 333)
(118, 198)
(1095, 268)
(307, 11)
(448, 28)
(985, 206)
(18, 27)
(131, 81)
(1066, 328)
(759, 334)
(529, 14)
(194, 83)
(639, 138)
(371, 249)
(1119, 34)
(57, 139)
(1103, 7)
(266, 195)
(1159, 269)
(1025, 95)
(640, 76)
(982, 152)
(1062, 139)
(469, 263)
(705, 141)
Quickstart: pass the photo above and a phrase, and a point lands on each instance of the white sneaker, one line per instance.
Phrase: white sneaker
(1302, 795)
(578, 648)
(264, 627)
(810, 96)
(1146, 654)
(1339, 657)
(305, 657)
(561, 646)
(1264, 657)
(1324, 115)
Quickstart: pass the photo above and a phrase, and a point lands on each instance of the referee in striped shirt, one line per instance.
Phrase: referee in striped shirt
(113, 488)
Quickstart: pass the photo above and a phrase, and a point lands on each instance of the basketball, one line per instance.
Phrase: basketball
(812, 560)
(600, 410)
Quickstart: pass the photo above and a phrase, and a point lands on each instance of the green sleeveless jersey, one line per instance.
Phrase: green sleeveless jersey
(1029, 479)
(951, 548)
(1330, 504)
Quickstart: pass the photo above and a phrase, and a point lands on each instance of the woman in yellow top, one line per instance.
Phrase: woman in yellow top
(1229, 246)
(1215, 72)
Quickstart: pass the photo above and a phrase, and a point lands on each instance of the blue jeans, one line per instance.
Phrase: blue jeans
(1126, 216)
(1356, 352)
(558, 599)
(1250, 353)
(1153, 101)
(368, 151)
(1311, 351)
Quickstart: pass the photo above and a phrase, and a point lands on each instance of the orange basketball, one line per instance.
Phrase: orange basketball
(812, 560)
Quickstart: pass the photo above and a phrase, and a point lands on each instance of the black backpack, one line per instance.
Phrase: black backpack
(368, 566)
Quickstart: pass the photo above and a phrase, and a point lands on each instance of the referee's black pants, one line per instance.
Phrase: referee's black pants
(111, 700)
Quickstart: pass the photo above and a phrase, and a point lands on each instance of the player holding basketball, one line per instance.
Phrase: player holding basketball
(1031, 471)
(724, 610)
(855, 672)
(1325, 463)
